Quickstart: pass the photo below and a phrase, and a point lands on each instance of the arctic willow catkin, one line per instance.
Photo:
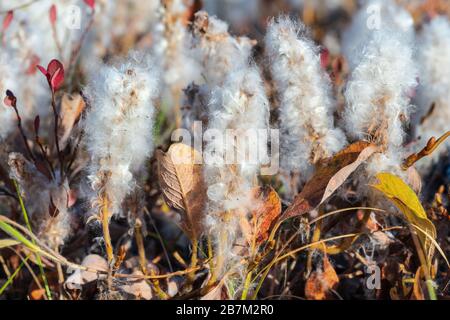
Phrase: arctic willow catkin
(118, 126)
(306, 109)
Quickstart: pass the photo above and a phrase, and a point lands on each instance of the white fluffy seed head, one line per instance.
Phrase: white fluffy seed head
(304, 89)
(171, 46)
(43, 197)
(239, 106)
(434, 62)
(379, 91)
(119, 125)
(217, 51)
(373, 17)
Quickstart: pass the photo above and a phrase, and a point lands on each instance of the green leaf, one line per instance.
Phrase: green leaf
(8, 229)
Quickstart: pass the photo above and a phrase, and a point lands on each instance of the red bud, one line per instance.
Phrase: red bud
(10, 99)
(53, 14)
(7, 21)
(54, 74)
(90, 3)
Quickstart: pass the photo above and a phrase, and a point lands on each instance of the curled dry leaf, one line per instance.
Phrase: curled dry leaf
(71, 108)
(267, 212)
(81, 277)
(331, 173)
(138, 288)
(181, 178)
(320, 283)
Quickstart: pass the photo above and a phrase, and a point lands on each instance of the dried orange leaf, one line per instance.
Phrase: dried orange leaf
(320, 283)
(267, 212)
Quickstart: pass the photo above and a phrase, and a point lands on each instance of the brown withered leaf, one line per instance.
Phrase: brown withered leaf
(267, 211)
(181, 179)
(81, 277)
(137, 288)
(320, 283)
(330, 174)
(71, 108)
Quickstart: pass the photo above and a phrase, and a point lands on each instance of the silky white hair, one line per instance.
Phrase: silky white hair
(118, 127)
(306, 111)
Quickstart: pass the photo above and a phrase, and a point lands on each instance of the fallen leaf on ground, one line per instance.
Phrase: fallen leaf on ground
(81, 277)
(138, 288)
(320, 282)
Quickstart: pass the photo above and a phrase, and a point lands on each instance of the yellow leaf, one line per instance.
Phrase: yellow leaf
(408, 203)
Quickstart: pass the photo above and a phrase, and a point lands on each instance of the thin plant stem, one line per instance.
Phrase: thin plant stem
(140, 245)
(22, 133)
(248, 281)
(38, 257)
(220, 254)
(425, 265)
(161, 240)
(194, 259)
(104, 215)
(431, 146)
(44, 155)
(30, 270)
(11, 278)
(56, 39)
(55, 132)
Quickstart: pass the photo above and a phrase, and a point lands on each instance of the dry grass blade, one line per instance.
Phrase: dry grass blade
(4, 243)
(11, 278)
